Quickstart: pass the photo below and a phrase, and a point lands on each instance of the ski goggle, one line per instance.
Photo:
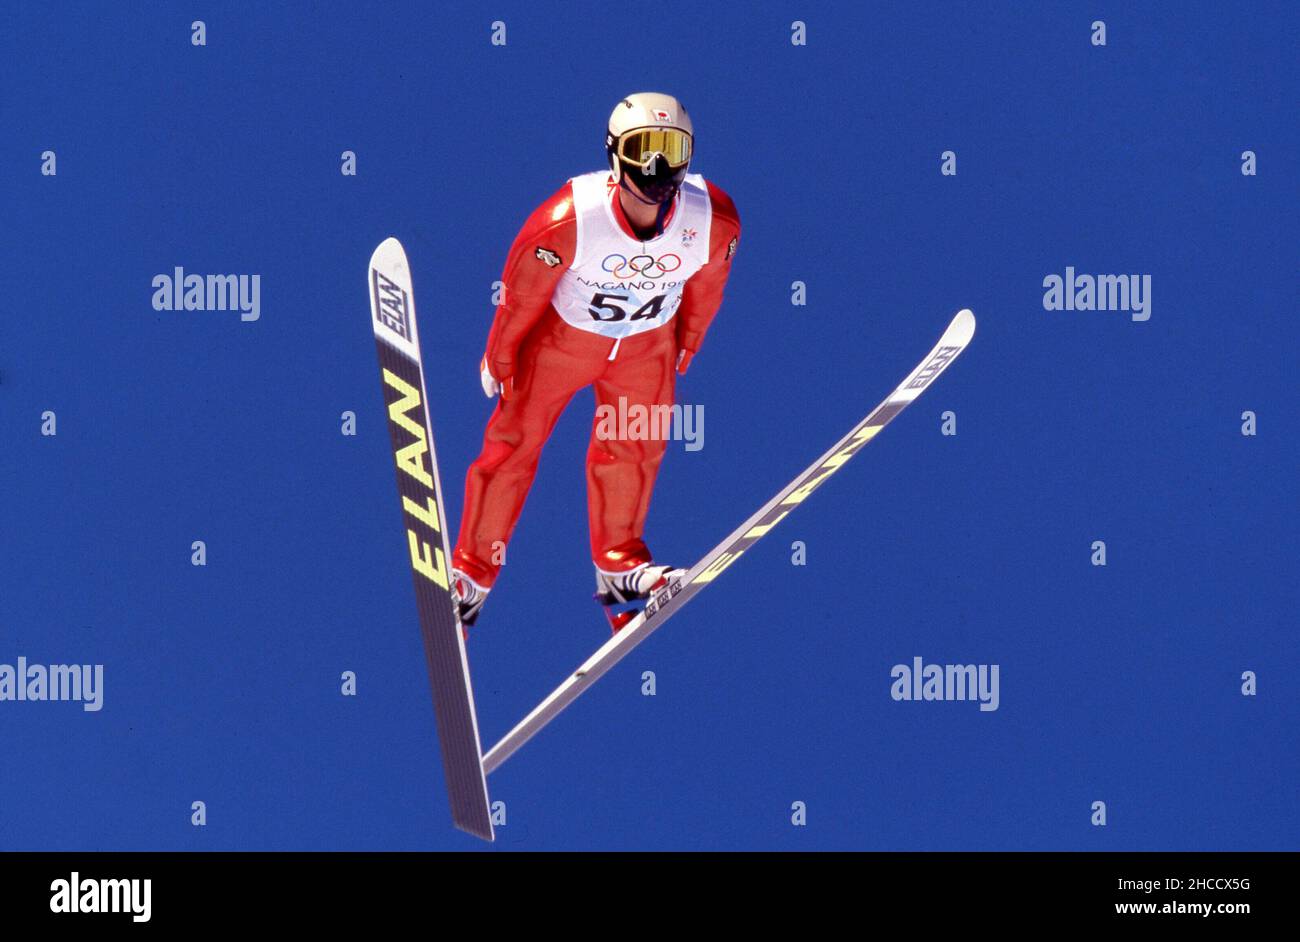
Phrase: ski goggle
(636, 147)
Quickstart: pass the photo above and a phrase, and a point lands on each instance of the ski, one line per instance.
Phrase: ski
(392, 313)
(669, 600)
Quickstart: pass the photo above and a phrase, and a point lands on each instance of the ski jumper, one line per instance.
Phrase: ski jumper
(588, 303)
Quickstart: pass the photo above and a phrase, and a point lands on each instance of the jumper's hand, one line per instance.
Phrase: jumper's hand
(683, 360)
(492, 385)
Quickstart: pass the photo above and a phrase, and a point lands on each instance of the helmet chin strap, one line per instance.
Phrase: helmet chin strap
(664, 207)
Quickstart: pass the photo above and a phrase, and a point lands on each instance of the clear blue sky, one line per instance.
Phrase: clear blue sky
(1119, 684)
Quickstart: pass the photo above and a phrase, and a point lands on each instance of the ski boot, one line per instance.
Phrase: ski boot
(470, 597)
(624, 594)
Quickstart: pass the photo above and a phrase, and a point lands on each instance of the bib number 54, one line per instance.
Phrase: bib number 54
(604, 308)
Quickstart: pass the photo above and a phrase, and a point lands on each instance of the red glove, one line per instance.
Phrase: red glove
(683, 361)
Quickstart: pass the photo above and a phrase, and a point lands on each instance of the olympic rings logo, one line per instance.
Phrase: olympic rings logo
(647, 265)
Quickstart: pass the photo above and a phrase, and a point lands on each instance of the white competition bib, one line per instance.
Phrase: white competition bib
(618, 285)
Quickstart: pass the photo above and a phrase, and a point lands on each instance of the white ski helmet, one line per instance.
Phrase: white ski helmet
(650, 141)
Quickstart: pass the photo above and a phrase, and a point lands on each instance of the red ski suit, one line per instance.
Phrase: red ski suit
(543, 360)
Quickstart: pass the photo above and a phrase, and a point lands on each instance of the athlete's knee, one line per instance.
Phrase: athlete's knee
(511, 453)
(627, 450)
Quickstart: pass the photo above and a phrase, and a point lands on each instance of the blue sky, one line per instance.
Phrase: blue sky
(1119, 684)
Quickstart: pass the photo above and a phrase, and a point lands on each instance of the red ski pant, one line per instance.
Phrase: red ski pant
(556, 361)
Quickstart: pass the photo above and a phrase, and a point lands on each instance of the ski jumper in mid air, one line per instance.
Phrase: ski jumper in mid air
(611, 283)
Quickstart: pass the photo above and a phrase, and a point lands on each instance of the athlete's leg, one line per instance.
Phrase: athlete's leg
(623, 458)
(498, 481)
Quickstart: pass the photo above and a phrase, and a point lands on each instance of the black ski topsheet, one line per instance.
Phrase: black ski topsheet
(418, 485)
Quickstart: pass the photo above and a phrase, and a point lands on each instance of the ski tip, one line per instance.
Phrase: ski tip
(390, 251)
(962, 328)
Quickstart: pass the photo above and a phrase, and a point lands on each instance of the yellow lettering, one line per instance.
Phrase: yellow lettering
(423, 559)
(426, 515)
(800, 494)
(833, 464)
(759, 529)
(716, 567)
(411, 460)
(860, 438)
(410, 400)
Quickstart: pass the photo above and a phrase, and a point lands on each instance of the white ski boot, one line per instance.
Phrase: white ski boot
(469, 596)
(624, 594)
